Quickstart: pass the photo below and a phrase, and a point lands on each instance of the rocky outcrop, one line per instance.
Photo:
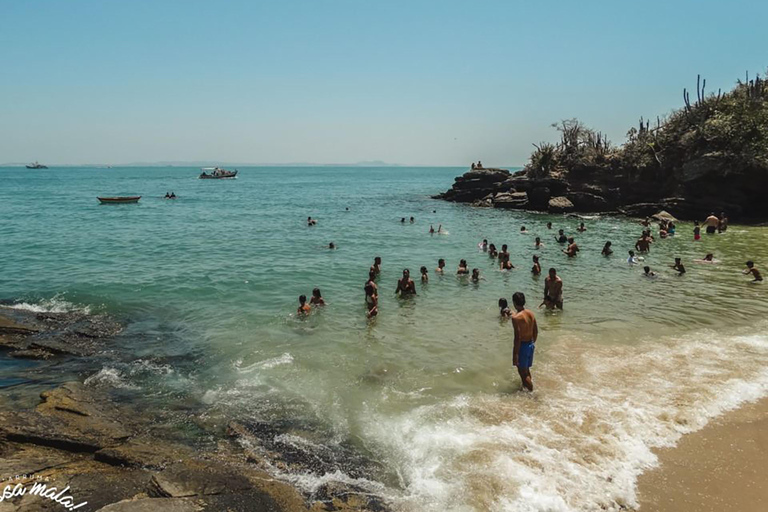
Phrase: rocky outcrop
(560, 205)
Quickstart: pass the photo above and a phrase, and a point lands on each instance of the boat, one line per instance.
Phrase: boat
(36, 166)
(119, 199)
(217, 173)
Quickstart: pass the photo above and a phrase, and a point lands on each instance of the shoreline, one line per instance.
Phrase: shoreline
(720, 467)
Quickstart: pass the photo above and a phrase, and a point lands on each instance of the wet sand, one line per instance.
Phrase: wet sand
(721, 467)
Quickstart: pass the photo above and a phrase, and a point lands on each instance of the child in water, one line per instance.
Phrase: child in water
(304, 308)
(607, 251)
(317, 298)
(696, 231)
(752, 269)
(679, 266)
(536, 270)
(648, 273)
(475, 275)
(504, 310)
(424, 275)
(537, 243)
(371, 301)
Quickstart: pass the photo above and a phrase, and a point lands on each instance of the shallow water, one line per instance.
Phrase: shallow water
(208, 285)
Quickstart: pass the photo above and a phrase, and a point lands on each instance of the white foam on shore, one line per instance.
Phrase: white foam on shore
(582, 439)
(52, 305)
(111, 377)
(283, 359)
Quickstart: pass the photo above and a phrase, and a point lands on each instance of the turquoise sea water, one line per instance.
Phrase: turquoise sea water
(208, 284)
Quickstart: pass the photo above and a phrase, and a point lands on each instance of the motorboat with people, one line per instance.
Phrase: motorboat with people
(119, 199)
(36, 165)
(216, 173)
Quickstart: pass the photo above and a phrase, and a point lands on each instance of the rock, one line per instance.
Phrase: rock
(663, 215)
(153, 504)
(144, 452)
(192, 479)
(539, 197)
(588, 202)
(510, 200)
(32, 353)
(641, 209)
(560, 205)
(10, 325)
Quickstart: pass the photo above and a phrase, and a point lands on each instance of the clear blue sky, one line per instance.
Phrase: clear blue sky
(413, 82)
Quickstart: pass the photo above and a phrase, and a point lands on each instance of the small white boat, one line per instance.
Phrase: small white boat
(217, 173)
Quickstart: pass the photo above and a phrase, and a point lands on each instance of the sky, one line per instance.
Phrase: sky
(338, 81)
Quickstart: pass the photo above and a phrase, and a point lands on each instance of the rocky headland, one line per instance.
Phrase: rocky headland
(119, 456)
(710, 155)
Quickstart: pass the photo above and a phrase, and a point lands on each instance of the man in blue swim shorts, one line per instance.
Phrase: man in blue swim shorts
(526, 333)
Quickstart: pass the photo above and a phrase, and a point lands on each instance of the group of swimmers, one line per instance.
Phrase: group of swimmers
(170, 195)
(523, 320)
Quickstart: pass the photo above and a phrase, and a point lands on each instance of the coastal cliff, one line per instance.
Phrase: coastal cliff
(709, 155)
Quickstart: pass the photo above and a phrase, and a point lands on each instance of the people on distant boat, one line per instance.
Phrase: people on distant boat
(711, 223)
(317, 298)
(572, 248)
(526, 335)
(440, 266)
(553, 290)
(722, 225)
(463, 268)
(582, 228)
(304, 308)
(607, 251)
(752, 269)
(371, 300)
(536, 269)
(424, 275)
(376, 267)
(405, 286)
(679, 266)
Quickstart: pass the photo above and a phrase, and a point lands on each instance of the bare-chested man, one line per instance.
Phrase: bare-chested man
(572, 248)
(406, 286)
(643, 244)
(526, 334)
(553, 290)
(376, 267)
(752, 269)
(503, 257)
(711, 223)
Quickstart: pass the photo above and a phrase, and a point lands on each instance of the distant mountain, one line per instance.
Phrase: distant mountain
(214, 163)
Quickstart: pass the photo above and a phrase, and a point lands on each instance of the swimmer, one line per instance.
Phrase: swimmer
(632, 260)
(572, 248)
(582, 228)
(607, 251)
(424, 275)
(440, 266)
(549, 225)
(537, 243)
(709, 258)
(431, 229)
(752, 269)
(696, 231)
(402, 220)
(643, 244)
(536, 270)
(648, 273)
(722, 225)
(439, 229)
(484, 245)
(663, 233)
(462, 270)
(492, 252)
(679, 266)
(561, 238)
(553, 290)
(371, 301)
(711, 223)
(412, 220)
(475, 275)
(646, 222)
(304, 308)
(376, 267)
(317, 298)
(523, 230)
(504, 310)
(406, 286)
(331, 245)
(526, 334)
(671, 228)
(503, 256)
(311, 221)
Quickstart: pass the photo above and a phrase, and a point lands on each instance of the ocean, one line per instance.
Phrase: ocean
(423, 400)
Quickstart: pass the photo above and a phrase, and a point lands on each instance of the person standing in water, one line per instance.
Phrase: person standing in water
(406, 286)
(317, 298)
(679, 266)
(553, 290)
(424, 275)
(372, 281)
(722, 225)
(537, 243)
(503, 257)
(526, 334)
(607, 251)
(536, 270)
(711, 223)
(504, 310)
(371, 301)
(463, 268)
(549, 225)
(752, 269)
(696, 231)
(376, 267)
(304, 308)
(440, 266)
(582, 228)
(561, 238)
(643, 244)
(572, 248)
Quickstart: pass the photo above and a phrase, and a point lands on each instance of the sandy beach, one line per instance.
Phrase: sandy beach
(721, 467)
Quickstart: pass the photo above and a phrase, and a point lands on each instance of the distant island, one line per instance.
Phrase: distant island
(709, 155)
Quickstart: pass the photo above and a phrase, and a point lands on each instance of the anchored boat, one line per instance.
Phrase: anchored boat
(36, 166)
(119, 199)
(217, 173)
